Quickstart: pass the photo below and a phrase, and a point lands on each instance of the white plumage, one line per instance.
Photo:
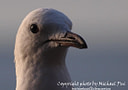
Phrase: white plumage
(40, 49)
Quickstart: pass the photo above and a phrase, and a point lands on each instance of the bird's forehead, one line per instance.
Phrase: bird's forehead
(46, 16)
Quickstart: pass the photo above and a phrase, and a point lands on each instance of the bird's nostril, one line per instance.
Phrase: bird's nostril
(72, 38)
(68, 36)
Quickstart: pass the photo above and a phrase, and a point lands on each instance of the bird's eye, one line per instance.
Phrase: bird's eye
(34, 28)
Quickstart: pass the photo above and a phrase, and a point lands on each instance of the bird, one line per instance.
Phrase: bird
(41, 45)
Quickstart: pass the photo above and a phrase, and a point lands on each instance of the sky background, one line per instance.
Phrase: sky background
(102, 23)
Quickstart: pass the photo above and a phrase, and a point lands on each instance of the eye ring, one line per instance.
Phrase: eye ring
(34, 28)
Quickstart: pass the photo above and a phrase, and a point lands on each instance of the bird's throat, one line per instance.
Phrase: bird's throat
(43, 73)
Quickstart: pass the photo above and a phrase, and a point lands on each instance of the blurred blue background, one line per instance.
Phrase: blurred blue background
(102, 23)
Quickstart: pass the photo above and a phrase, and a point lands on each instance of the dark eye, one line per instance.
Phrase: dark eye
(34, 28)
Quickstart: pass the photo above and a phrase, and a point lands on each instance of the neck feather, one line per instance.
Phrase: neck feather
(42, 71)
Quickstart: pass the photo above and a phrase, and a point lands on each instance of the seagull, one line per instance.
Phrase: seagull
(41, 45)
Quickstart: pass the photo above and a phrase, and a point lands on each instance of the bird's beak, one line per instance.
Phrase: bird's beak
(72, 39)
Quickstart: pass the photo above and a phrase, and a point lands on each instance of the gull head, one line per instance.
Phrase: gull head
(46, 29)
